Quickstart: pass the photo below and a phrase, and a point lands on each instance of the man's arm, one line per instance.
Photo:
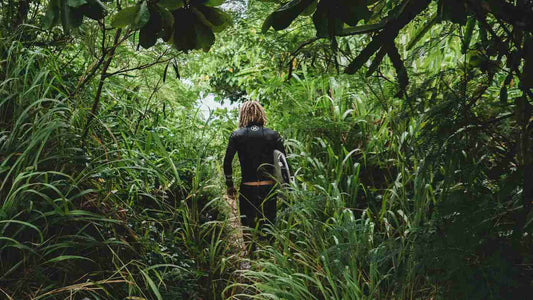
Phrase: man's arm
(228, 159)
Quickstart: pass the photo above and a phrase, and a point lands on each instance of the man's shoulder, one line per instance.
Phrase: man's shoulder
(271, 131)
(238, 132)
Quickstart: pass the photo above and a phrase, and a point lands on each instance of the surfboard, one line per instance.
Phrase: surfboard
(281, 168)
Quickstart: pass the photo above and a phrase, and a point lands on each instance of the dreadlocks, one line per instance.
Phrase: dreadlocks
(252, 111)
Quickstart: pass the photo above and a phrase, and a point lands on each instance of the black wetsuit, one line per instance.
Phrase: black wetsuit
(255, 145)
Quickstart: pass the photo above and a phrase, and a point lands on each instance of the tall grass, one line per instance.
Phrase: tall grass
(118, 215)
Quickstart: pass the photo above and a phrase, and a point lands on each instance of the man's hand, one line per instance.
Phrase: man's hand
(232, 192)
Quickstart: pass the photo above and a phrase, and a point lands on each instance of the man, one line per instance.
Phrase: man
(255, 145)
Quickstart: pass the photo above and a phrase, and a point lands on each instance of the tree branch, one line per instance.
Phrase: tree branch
(103, 76)
(141, 67)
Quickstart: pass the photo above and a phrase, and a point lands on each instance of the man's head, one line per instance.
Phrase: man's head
(252, 111)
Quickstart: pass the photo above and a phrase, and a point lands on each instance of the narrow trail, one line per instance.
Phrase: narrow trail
(236, 238)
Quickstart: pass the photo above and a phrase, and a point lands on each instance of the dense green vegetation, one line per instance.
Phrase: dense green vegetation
(407, 122)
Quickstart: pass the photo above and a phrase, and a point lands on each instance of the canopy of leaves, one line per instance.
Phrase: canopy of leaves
(339, 18)
(186, 25)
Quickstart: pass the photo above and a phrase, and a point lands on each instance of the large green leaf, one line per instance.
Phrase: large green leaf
(352, 11)
(51, 17)
(190, 32)
(320, 20)
(64, 16)
(167, 24)
(205, 37)
(94, 9)
(171, 4)
(283, 16)
(267, 24)
(142, 17)
(150, 32)
(71, 13)
(125, 16)
(310, 9)
(212, 17)
(75, 17)
(184, 37)
(71, 17)
(469, 30)
(327, 24)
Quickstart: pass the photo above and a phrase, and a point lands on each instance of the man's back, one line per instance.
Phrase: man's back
(255, 145)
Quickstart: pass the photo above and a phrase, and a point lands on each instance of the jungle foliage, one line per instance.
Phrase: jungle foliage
(407, 122)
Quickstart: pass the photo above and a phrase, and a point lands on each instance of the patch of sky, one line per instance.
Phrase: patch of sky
(208, 104)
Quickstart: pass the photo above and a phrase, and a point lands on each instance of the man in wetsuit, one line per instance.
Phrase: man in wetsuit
(255, 145)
